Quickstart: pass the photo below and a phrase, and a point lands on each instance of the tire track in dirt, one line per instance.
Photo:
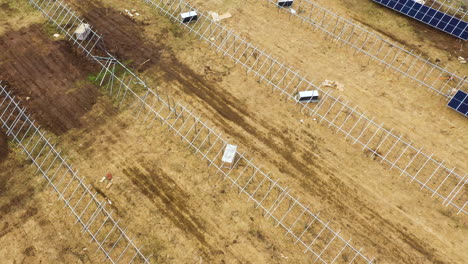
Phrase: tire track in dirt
(228, 108)
(15, 202)
(7, 227)
(15, 198)
(15, 192)
(124, 37)
(171, 200)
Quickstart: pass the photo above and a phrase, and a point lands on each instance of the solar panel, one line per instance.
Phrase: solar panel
(459, 103)
(435, 18)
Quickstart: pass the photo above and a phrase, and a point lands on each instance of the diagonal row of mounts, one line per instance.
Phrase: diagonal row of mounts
(276, 202)
(388, 53)
(85, 205)
(386, 145)
(317, 236)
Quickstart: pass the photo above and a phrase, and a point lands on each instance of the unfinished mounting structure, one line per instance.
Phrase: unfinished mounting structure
(275, 201)
(430, 13)
(455, 8)
(448, 184)
(84, 203)
(379, 48)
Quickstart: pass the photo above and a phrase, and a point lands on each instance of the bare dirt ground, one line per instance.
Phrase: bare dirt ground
(218, 103)
(33, 228)
(394, 101)
(16, 15)
(182, 212)
(3, 147)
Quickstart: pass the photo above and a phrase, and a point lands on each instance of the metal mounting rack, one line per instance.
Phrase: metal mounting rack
(275, 201)
(84, 204)
(448, 184)
(379, 48)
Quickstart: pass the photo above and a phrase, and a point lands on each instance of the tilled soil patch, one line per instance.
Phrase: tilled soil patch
(48, 76)
(3, 147)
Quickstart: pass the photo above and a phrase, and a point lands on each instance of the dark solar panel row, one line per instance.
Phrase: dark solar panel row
(459, 103)
(430, 16)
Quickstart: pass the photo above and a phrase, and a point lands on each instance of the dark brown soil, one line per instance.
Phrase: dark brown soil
(49, 77)
(121, 36)
(156, 185)
(6, 6)
(3, 147)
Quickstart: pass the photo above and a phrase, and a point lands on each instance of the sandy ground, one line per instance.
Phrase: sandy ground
(394, 101)
(179, 209)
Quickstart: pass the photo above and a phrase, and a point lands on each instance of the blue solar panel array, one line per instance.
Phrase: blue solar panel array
(430, 16)
(459, 103)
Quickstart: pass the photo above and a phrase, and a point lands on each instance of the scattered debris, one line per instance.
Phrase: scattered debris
(302, 120)
(144, 62)
(109, 201)
(292, 11)
(56, 35)
(109, 178)
(84, 249)
(453, 92)
(333, 84)
(216, 17)
(340, 86)
(28, 98)
(461, 60)
(328, 83)
(283, 256)
(132, 13)
(225, 16)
